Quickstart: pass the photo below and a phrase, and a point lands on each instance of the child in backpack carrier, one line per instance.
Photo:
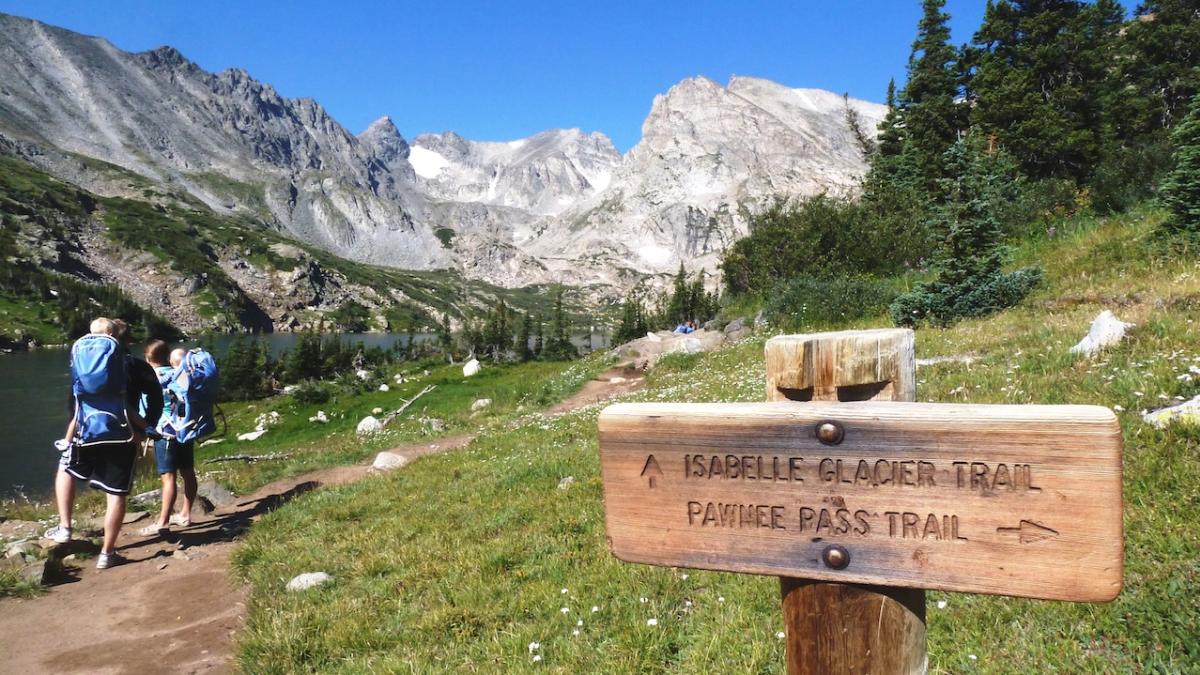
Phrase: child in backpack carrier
(101, 326)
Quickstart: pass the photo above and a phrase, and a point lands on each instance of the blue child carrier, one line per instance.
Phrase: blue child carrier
(193, 388)
(99, 377)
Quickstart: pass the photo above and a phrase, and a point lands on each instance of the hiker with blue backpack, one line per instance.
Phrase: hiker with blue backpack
(171, 458)
(189, 386)
(107, 384)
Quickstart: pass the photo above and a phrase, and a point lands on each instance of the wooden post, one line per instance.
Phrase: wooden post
(848, 628)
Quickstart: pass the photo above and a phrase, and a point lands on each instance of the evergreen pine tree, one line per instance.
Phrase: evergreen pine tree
(445, 338)
(558, 346)
(969, 280)
(633, 320)
(1042, 77)
(891, 140)
(539, 339)
(932, 119)
(1181, 189)
(1158, 67)
(677, 306)
(524, 351)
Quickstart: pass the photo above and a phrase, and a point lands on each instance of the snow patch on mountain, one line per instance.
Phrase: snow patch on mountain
(427, 163)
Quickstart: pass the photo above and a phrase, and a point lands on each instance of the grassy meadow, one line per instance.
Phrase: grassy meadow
(478, 561)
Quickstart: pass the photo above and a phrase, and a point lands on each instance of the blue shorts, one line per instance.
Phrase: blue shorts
(171, 455)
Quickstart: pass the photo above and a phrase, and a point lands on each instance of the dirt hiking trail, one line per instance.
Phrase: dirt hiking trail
(173, 607)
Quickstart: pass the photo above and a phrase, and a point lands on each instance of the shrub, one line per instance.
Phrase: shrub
(806, 301)
(311, 392)
(1181, 189)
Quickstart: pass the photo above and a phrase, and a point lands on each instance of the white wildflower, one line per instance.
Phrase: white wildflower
(651, 622)
(941, 604)
(720, 598)
(537, 657)
(972, 657)
(575, 632)
(563, 591)
(534, 646)
(780, 635)
(642, 600)
(595, 609)
(564, 610)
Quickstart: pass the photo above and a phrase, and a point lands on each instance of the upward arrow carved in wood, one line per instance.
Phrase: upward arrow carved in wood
(652, 469)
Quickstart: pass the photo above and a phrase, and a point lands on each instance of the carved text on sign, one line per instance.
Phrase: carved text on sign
(1015, 500)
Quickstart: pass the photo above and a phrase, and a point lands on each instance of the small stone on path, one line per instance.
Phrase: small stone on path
(388, 461)
(134, 516)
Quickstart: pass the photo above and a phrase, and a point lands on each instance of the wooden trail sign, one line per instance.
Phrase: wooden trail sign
(1010, 500)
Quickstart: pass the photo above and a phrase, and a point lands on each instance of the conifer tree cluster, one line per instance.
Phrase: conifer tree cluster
(1181, 189)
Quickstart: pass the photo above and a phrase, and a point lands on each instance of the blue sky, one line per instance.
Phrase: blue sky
(503, 70)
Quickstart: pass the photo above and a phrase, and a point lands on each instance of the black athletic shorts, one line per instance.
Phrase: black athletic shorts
(106, 467)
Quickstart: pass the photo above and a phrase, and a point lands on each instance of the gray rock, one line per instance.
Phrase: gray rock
(35, 572)
(566, 482)
(735, 325)
(134, 516)
(480, 404)
(303, 582)
(388, 461)
(21, 548)
(369, 425)
(217, 495)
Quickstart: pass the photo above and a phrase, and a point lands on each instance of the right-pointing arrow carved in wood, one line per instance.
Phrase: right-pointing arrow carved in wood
(1029, 532)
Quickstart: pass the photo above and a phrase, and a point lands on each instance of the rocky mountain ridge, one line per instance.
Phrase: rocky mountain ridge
(561, 206)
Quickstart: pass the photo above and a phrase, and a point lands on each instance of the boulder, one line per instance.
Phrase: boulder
(711, 324)
(1187, 412)
(388, 461)
(644, 352)
(384, 387)
(480, 404)
(1106, 330)
(369, 425)
(252, 435)
(303, 582)
(35, 572)
(688, 345)
(216, 494)
(433, 424)
(471, 368)
(363, 375)
(134, 516)
(22, 548)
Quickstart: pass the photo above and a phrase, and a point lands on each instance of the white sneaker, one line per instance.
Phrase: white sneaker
(59, 534)
(107, 560)
(180, 519)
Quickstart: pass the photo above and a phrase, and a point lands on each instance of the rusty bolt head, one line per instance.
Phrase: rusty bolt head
(835, 556)
(830, 433)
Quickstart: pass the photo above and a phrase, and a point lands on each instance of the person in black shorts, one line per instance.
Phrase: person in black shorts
(110, 468)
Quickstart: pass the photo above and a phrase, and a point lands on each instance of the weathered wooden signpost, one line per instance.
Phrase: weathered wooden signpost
(860, 499)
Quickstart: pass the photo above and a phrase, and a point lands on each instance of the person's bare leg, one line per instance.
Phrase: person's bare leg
(64, 492)
(112, 522)
(189, 493)
(168, 500)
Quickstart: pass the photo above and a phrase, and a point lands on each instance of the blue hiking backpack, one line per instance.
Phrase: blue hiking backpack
(194, 386)
(99, 377)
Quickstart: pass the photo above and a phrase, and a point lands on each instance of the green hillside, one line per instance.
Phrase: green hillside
(461, 561)
(44, 286)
